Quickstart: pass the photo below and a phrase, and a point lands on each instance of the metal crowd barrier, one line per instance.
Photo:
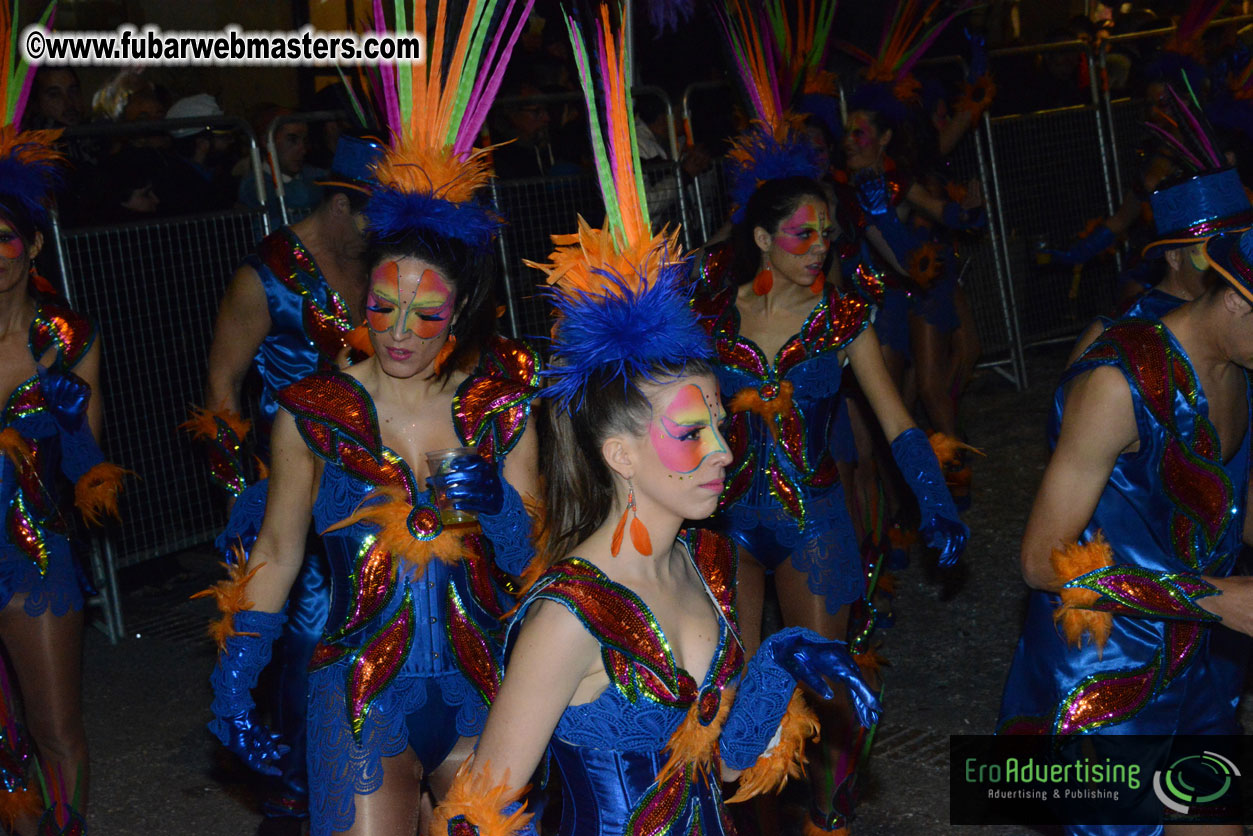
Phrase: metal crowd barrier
(153, 289)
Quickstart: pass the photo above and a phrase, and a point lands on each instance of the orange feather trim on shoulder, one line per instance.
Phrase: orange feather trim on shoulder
(786, 759)
(481, 803)
(749, 399)
(21, 804)
(203, 423)
(695, 744)
(263, 470)
(948, 449)
(95, 492)
(391, 516)
(15, 447)
(1073, 612)
(231, 596)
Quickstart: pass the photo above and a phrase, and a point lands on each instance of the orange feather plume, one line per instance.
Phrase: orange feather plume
(15, 447)
(391, 516)
(95, 492)
(202, 425)
(580, 259)
(417, 168)
(481, 803)
(231, 596)
(786, 759)
(695, 744)
(948, 449)
(1074, 613)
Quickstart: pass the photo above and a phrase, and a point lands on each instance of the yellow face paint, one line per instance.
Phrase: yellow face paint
(403, 298)
(686, 432)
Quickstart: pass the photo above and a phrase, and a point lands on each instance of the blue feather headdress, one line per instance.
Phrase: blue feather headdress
(430, 178)
(30, 165)
(621, 293)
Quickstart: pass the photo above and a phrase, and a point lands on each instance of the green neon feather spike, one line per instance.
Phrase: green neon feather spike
(474, 60)
(604, 169)
(404, 70)
(352, 98)
(826, 20)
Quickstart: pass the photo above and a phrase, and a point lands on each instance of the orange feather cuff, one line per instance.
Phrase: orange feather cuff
(786, 759)
(231, 596)
(1073, 614)
(482, 804)
(95, 492)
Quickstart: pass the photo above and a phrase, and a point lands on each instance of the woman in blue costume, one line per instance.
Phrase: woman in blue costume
(393, 688)
(48, 429)
(625, 651)
(1137, 526)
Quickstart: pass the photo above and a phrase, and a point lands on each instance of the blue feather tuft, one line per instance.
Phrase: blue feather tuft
(666, 15)
(770, 160)
(27, 186)
(393, 213)
(628, 333)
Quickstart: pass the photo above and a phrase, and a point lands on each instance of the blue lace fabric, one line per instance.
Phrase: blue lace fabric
(1173, 506)
(608, 752)
(36, 557)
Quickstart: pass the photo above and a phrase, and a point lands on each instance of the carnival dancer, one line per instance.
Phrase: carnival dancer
(605, 644)
(289, 311)
(782, 336)
(1208, 198)
(389, 702)
(1138, 523)
(48, 429)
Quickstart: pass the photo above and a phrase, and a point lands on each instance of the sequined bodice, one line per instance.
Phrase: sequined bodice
(308, 319)
(31, 495)
(609, 752)
(782, 412)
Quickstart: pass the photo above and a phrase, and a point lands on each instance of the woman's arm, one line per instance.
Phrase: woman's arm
(281, 543)
(552, 656)
(88, 369)
(866, 358)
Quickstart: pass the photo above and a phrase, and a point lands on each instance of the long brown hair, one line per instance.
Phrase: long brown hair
(578, 484)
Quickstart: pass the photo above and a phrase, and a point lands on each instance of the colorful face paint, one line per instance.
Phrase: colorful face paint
(859, 131)
(806, 227)
(420, 301)
(11, 244)
(686, 433)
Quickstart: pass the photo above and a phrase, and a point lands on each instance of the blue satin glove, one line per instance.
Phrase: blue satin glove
(813, 660)
(66, 395)
(942, 527)
(978, 44)
(471, 483)
(1085, 249)
(234, 721)
(872, 193)
(955, 216)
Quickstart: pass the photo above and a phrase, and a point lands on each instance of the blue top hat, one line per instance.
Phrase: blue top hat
(1190, 211)
(1231, 254)
(353, 163)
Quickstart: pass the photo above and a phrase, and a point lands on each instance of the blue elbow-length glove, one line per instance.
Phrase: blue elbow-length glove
(474, 484)
(941, 527)
(1085, 249)
(235, 720)
(791, 656)
(872, 196)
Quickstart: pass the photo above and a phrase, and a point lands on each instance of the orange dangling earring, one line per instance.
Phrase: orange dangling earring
(639, 533)
(818, 285)
(763, 281)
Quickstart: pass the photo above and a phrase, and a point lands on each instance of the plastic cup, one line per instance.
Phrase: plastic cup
(437, 463)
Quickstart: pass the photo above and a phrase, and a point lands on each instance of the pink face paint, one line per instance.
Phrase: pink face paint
(11, 244)
(686, 432)
(806, 227)
(859, 131)
(420, 300)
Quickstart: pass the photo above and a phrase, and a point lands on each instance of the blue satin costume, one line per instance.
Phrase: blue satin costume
(783, 497)
(36, 559)
(1154, 675)
(406, 658)
(308, 321)
(607, 753)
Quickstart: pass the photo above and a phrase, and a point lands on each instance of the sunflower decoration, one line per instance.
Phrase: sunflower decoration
(925, 264)
(977, 97)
